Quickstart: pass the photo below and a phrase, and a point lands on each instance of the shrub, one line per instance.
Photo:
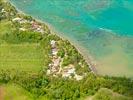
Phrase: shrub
(19, 37)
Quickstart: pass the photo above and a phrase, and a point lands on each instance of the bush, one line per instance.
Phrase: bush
(19, 37)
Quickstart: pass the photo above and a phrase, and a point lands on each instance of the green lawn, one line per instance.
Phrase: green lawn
(14, 92)
(26, 57)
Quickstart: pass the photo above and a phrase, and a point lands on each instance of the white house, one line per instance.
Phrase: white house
(17, 19)
(78, 77)
(53, 42)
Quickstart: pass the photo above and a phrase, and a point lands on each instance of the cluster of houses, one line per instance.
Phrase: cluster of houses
(34, 26)
(69, 71)
(3, 12)
(55, 67)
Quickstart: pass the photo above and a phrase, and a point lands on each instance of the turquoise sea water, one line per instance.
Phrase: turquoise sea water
(104, 28)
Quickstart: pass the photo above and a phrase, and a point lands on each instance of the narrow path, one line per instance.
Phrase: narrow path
(1, 93)
(89, 98)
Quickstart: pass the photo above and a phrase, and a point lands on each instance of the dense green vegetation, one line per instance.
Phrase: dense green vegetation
(60, 88)
(19, 37)
(106, 94)
(26, 55)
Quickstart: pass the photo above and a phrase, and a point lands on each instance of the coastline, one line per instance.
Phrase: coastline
(89, 59)
(53, 68)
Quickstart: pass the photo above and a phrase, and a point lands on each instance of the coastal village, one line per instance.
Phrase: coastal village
(26, 23)
(34, 26)
(55, 67)
(60, 72)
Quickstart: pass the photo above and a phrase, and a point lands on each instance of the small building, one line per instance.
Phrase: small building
(78, 77)
(20, 20)
(22, 29)
(71, 71)
(16, 19)
(56, 62)
(54, 51)
(23, 21)
(68, 72)
(53, 43)
(3, 10)
(48, 72)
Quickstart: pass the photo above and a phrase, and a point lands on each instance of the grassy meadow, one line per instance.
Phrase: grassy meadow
(26, 57)
(14, 92)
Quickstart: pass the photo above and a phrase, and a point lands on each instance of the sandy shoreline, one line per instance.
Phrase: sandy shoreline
(89, 59)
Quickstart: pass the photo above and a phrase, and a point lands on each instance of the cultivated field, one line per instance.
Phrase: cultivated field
(26, 57)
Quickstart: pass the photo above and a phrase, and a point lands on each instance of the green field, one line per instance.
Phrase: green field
(26, 57)
(14, 92)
